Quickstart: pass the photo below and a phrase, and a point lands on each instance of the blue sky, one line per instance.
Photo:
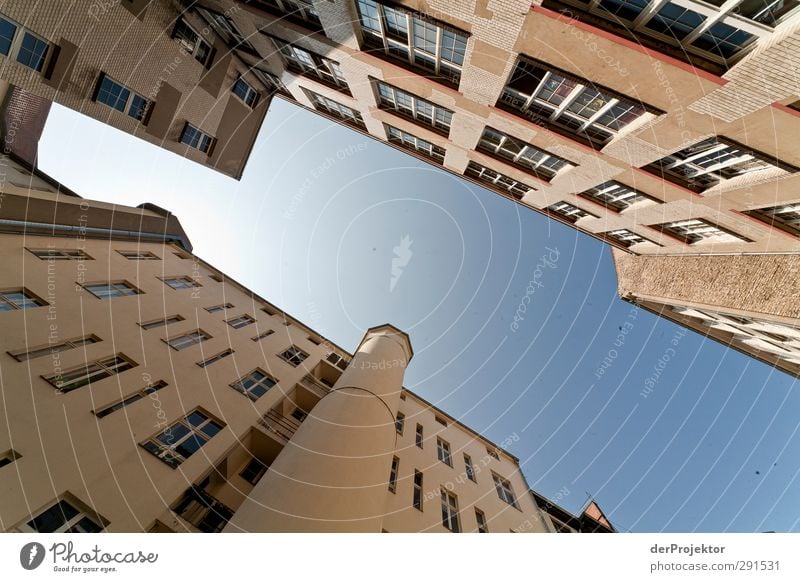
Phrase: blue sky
(514, 319)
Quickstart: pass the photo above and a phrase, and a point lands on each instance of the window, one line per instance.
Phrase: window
(119, 97)
(109, 290)
(417, 496)
(299, 414)
(215, 358)
(180, 282)
(569, 103)
(769, 12)
(23, 45)
(89, 373)
(294, 356)
(60, 254)
(222, 307)
(192, 42)
(711, 162)
(616, 196)
(261, 336)
(569, 212)
(9, 457)
(139, 255)
(469, 469)
(504, 490)
(480, 519)
(255, 384)
(522, 155)
(399, 422)
(197, 139)
(418, 438)
(786, 216)
(427, 46)
(440, 420)
(443, 451)
(253, 471)
(302, 10)
(414, 108)
(184, 438)
(307, 63)
(493, 453)
(336, 109)
(240, 322)
(54, 348)
(492, 178)
(244, 91)
(697, 230)
(625, 237)
(450, 511)
(226, 29)
(415, 144)
(393, 474)
(162, 322)
(270, 81)
(188, 340)
(63, 517)
(146, 391)
(12, 299)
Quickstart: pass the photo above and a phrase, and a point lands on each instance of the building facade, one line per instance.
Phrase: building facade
(665, 128)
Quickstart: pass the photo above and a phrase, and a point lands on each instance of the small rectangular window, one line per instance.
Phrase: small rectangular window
(60, 254)
(221, 307)
(255, 384)
(8, 457)
(569, 212)
(117, 96)
(188, 339)
(413, 143)
(399, 422)
(299, 414)
(443, 451)
(90, 373)
(44, 350)
(393, 474)
(440, 420)
(180, 282)
(294, 356)
(19, 298)
(504, 490)
(197, 139)
(183, 438)
(244, 91)
(616, 196)
(469, 468)
(240, 322)
(192, 42)
(217, 278)
(418, 437)
(261, 336)
(696, 230)
(161, 322)
(139, 255)
(480, 519)
(64, 516)
(450, 511)
(146, 391)
(492, 453)
(253, 471)
(215, 358)
(417, 498)
(111, 290)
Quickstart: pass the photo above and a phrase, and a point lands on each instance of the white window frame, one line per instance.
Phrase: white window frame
(82, 512)
(412, 142)
(60, 254)
(393, 103)
(187, 340)
(493, 177)
(168, 452)
(616, 196)
(504, 490)
(570, 212)
(443, 451)
(343, 112)
(538, 168)
(186, 282)
(91, 372)
(319, 67)
(198, 41)
(626, 237)
(240, 321)
(698, 230)
(450, 518)
(266, 382)
(120, 289)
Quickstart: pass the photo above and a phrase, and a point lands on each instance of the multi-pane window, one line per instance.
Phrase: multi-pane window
(697, 230)
(336, 109)
(393, 474)
(139, 255)
(302, 10)
(227, 30)
(785, 216)
(89, 373)
(244, 91)
(54, 348)
(222, 307)
(711, 162)
(294, 355)
(146, 391)
(197, 139)
(184, 438)
(262, 335)
(113, 289)
(416, 500)
(119, 97)
(569, 212)
(480, 519)
(450, 511)
(414, 143)
(418, 439)
(215, 358)
(308, 63)
(719, 34)
(522, 155)
(616, 196)
(23, 45)
(253, 471)
(60, 254)
(180, 282)
(625, 237)
(469, 468)
(492, 453)
(424, 44)
(192, 42)
(557, 98)
(188, 340)
(161, 322)
(504, 490)
(399, 422)
(11, 299)
(255, 384)
(240, 322)
(414, 108)
(492, 178)
(272, 82)
(443, 451)
(63, 517)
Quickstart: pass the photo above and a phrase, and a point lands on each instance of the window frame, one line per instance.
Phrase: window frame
(205, 141)
(15, 46)
(692, 231)
(399, 423)
(505, 491)
(392, 102)
(443, 451)
(546, 173)
(168, 454)
(417, 498)
(185, 278)
(130, 399)
(251, 95)
(239, 386)
(770, 215)
(82, 513)
(139, 255)
(615, 196)
(241, 321)
(480, 520)
(338, 110)
(394, 472)
(197, 333)
(569, 212)
(308, 63)
(215, 358)
(289, 359)
(413, 144)
(7, 305)
(140, 115)
(506, 184)
(113, 285)
(220, 307)
(198, 42)
(450, 517)
(54, 254)
(93, 371)
(42, 350)
(161, 321)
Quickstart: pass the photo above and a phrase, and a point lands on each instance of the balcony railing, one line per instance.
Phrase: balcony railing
(203, 511)
(282, 427)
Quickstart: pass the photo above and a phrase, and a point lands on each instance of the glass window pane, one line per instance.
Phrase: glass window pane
(7, 32)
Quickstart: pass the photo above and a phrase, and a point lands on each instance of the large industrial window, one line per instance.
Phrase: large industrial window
(569, 212)
(414, 108)
(414, 143)
(492, 178)
(616, 196)
(308, 63)
(697, 230)
(529, 158)
(343, 112)
(784, 216)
